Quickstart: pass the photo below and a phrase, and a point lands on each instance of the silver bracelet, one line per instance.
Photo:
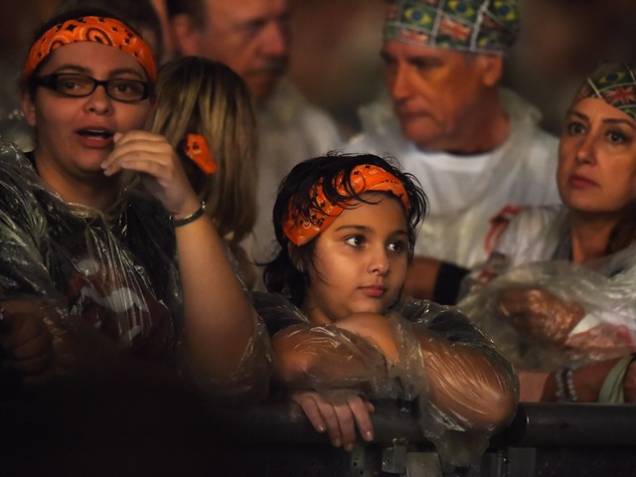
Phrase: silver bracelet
(570, 390)
(190, 218)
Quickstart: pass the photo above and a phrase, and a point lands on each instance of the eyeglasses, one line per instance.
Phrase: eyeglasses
(79, 86)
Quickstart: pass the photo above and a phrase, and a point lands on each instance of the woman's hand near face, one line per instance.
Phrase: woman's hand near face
(161, 169)
(339, 413)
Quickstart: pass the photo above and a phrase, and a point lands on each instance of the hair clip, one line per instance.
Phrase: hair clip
(196, 148)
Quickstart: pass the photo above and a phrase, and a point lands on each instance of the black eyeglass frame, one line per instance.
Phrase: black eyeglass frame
(51, 82)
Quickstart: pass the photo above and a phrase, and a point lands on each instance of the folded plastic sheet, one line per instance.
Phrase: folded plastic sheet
(546, 315)
(463, 388)
(84, 271)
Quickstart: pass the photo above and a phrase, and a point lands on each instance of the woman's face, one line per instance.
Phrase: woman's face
(597, 158)
(75, 135)
(360, 261)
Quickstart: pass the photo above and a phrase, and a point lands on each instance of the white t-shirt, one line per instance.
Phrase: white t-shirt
(466, 192)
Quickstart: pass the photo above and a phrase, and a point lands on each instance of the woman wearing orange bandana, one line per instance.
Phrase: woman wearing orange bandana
(346, 229)
(94, 272)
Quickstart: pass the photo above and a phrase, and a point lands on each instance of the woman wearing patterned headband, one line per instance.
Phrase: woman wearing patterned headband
(88, 272)
(204, 110)
(570, 313)
(346, 229)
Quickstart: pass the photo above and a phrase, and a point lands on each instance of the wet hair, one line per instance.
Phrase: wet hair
(197, 95)
(26, 84)
(281, 275)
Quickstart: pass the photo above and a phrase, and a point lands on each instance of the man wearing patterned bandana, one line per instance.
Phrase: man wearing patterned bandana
(476, 148)
(254, 42)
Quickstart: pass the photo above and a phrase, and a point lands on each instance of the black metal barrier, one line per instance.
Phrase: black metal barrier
(159, 432)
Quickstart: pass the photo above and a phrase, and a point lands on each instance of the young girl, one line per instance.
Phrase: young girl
(204, 110)
(346, 228)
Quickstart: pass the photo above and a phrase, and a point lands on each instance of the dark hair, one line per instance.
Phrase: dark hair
(26, 85)
(281, 275)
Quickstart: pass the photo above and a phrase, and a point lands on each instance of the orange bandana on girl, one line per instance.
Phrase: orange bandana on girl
(301, 229)
(107, 31)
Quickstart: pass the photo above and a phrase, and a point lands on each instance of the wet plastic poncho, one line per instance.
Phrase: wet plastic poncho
(545, 312)
(89, 274)
(445, 363)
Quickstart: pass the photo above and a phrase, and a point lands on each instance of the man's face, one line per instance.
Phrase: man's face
(252, 39)
(434, 91)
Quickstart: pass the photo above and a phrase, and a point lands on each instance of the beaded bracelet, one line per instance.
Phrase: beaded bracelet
(565, 390)
(190, 218)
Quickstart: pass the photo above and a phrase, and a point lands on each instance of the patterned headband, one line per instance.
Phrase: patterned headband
(107, 31)
(301, 229)
(477, 26)
(613, 83)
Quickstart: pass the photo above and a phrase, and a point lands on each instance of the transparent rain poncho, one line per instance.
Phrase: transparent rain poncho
(91, 275)
(461, 385)
(544, 312)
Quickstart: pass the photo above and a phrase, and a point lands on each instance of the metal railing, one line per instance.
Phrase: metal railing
(172, 433)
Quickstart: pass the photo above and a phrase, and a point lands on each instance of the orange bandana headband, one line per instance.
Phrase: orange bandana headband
(301, 229)
(107, 31)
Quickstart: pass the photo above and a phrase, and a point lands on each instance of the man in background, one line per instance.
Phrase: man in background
(254, 41)
(475, 147)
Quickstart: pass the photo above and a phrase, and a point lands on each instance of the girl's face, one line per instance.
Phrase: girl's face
(75, 134)
(597, 159)
(360, 261)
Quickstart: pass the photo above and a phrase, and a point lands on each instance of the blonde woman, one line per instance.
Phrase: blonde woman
(205, 106)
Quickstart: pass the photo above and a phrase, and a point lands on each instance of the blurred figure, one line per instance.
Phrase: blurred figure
(254, 40)
(475, 148)
(204, 111)
(16, 27)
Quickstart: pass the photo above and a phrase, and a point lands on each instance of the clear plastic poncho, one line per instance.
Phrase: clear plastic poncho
(549, 313)
(445, 363)
(91, 275)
